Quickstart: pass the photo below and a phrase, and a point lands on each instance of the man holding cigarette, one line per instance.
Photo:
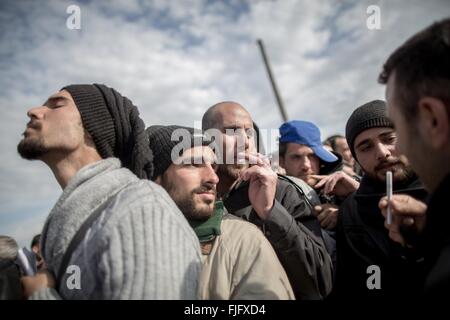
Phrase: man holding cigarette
(417, 75)
(272, 204)
(362, 240)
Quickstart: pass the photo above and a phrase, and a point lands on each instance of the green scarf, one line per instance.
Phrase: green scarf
(208, 229)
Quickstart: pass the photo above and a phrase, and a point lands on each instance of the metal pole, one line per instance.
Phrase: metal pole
(272, 81)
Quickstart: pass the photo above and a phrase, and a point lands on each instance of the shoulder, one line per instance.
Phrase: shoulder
(236, 232)
(144, 206)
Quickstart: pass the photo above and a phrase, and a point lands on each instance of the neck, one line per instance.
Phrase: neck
(436, 177)
(225, 183)
(65, 167)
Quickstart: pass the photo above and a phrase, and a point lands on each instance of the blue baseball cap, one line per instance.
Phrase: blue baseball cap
(307, 133)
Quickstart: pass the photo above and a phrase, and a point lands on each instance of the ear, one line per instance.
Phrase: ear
(434, 122)
(88, 139)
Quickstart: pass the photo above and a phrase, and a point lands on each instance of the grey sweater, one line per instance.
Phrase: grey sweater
(141, 246)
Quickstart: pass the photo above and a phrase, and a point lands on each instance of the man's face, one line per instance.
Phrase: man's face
(53, 127)
(237, 137)
(192, 184)
(376, 153)
(343, 149)
(409, 141)
(300, 161)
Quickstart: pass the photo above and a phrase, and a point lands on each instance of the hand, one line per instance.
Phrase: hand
(338, 183)
(406, 212)
(262, 187)
(42, 279)
(327, 214)
(349, 170)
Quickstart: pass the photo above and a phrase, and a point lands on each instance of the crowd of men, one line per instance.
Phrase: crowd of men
(146, 215)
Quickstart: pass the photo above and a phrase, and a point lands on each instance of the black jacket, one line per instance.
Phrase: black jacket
(362, 241)
(294, 232)
(437, 243)
(10, 286)
(327, 168)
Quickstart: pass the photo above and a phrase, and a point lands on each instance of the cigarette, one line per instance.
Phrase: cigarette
(389, 195)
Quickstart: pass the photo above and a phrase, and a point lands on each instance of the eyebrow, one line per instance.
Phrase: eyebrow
(54, 99)
(387, 133)
(383, 134)
(365, 141)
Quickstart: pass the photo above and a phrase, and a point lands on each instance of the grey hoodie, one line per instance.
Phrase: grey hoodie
(140, 247)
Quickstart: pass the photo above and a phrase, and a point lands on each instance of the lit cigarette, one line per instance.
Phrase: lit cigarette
(389, 195)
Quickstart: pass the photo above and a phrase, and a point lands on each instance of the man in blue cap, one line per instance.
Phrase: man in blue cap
(303, 156)
(302, 153)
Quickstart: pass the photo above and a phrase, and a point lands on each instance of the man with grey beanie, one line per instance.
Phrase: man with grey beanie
(112, 234)
(362, 240)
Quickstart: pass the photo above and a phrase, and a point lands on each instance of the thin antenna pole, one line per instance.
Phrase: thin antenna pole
(272, 81)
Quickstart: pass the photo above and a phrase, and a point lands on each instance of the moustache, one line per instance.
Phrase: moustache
(34, 124)
(387, 163)
(205, 189)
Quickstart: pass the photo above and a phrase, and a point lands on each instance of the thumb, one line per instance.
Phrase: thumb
(383, 203)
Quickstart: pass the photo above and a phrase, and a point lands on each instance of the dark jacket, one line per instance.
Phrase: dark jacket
(294, 232)
(331, 167)
(327, 168)
(10, 286)
(437, 242)
(362, 241)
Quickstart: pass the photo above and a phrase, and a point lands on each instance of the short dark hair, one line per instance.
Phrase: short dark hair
(36, 240)
(331, 141)
(422, 67)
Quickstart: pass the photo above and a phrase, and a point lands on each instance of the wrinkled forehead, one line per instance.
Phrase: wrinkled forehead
(234, 116)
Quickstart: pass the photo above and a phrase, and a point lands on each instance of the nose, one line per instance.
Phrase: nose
(306, 164)
(36, 113)
(382, 151)
(210, 175)
(242, 141)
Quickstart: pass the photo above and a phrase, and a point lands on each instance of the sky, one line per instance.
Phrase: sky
(174, 59)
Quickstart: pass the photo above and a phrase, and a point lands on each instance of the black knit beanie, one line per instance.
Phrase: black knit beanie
(370, 115)
(162, 143)
(115, 126)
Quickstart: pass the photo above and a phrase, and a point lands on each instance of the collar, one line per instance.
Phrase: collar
(208, 229)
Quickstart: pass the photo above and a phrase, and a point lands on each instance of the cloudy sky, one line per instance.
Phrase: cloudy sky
(173, 59)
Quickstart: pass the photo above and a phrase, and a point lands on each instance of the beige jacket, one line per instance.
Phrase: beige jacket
(242, 264)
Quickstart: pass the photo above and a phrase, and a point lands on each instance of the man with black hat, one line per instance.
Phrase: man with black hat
(253, 191)
(369, 264)
(110, 235)
(238, 261)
